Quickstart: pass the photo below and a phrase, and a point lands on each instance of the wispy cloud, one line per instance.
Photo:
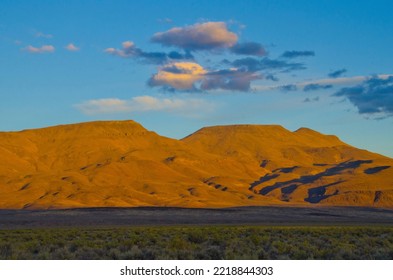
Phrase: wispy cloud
(271, 77)
(72, 48)
(42, 49)
(267, 64)
(305, 87)
(295, 54)
(165, 20)
(308, 100)
(129, 50)
(191, 107)
(337, 73)
(39, 34)
(200, 36)
(229, 79)
(290, 87)
(249, 48)
(316, 86)
(328, 81)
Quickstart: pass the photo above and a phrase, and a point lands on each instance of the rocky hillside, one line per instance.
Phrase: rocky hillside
(121, 164)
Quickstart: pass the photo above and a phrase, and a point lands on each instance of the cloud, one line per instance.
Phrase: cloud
(129, 50)
(42, 49)
(102, 106)
(314, 87)
(295, 54)
(153, 57)
(249, 48)
(291, 87)
(308, 100)
(72, 48)
(341, 81)
(39, 34)
(200, 36)
(190, 76)
(145, 103)
(178, 75)
(179, 56)
(248, 63)
(271, 77)
(229, 79)
(331, 81)
(179, 71)
(165, 20)
(373, 97)
(253, 65)
(337, 73)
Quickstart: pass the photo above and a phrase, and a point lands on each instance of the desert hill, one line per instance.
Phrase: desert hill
(121, 164)
(303, 166)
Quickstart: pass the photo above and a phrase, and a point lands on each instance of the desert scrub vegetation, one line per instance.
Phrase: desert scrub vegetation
(199, 242)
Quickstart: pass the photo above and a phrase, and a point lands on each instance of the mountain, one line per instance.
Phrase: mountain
(121, 164)
(303, 166)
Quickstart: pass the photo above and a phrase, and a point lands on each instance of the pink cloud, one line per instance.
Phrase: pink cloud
(72, 48)
(200, 36)
(42, 49)
(39, 34)
(178, 75)
(128, 49)
(191, 107)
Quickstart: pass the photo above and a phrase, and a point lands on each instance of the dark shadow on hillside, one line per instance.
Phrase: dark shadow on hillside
(263, 179)
(377, 196)
(286, 169)
(308, 179)
(377, 169)
(317, 194)
(286, 192)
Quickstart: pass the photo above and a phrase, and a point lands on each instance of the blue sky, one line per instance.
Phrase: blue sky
(180, 65)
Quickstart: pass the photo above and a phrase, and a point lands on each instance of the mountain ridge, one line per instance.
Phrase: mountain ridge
(122, 164)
